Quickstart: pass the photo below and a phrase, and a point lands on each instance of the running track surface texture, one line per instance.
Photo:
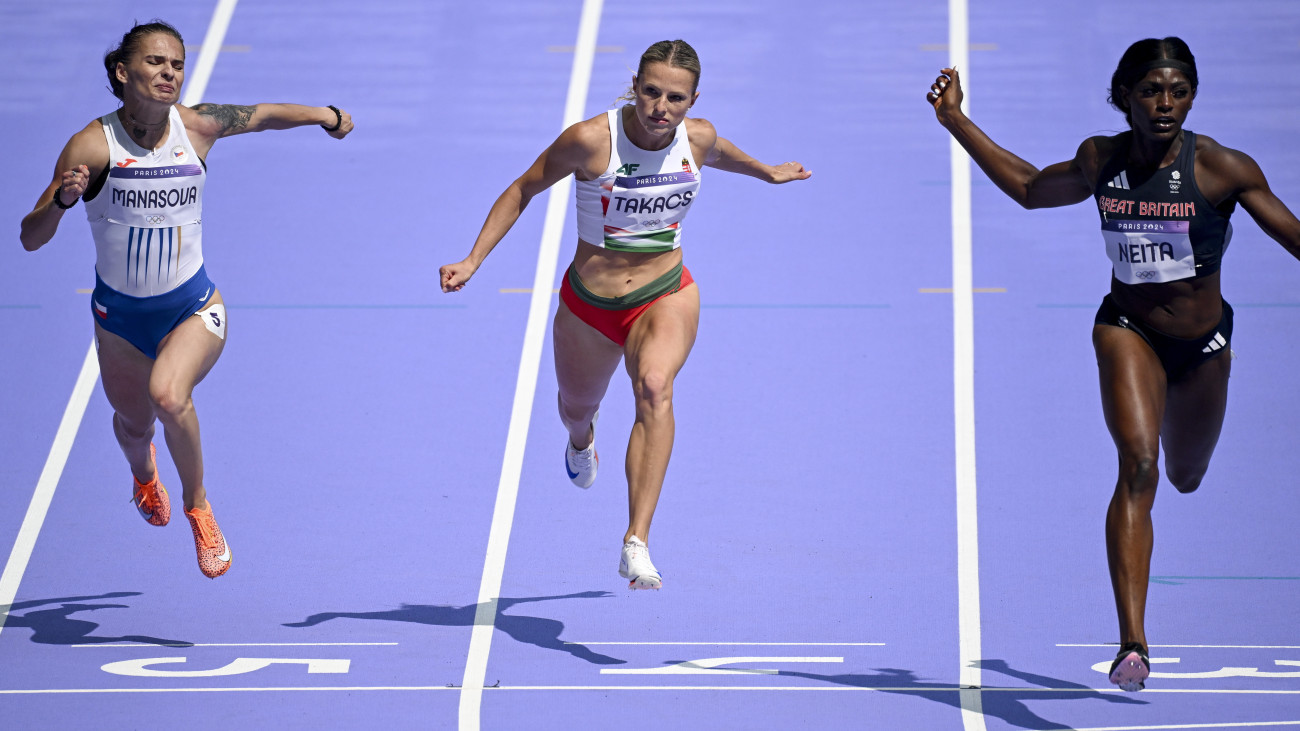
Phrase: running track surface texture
(832, 556)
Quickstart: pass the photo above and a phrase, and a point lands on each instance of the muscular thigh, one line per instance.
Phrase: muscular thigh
(584, 358)
(1132, 389)
(188, 352)
(1194, 412)
(665, 334)
(124, 372)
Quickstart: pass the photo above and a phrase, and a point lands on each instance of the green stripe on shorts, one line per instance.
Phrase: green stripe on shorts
(671, 281)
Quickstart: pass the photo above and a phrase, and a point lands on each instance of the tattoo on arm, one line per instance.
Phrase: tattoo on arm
(233, 118)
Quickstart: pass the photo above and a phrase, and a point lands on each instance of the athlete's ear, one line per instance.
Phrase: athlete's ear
(694, 98)
(120, 72)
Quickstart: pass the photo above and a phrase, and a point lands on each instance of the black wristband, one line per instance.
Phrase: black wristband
(59, 203)
(338, 119)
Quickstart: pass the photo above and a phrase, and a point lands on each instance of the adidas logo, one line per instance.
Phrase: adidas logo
(1216, 343)
(1120, 181)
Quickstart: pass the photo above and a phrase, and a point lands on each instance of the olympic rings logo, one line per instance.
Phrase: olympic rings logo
(1146, 274)
(155, 219)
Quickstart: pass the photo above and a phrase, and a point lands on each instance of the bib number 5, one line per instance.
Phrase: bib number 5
(214, 319)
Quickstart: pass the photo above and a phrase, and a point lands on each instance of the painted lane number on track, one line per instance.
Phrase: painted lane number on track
(140, 668)
(709, 666)
(1226, 672)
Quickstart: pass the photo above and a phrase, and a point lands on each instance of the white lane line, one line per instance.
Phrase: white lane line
(503, 514)
(197, 82)
(1194, 647)
(16, 566)
(672, 688)
(963, 335)
(749, 644)
(268, 689)
(892, 689)
(1238, 724)
(716, 666)
(240, 644)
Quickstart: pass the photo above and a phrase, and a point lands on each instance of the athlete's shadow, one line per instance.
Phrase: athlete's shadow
(1007, 704)
(539, 631)
(55, 626)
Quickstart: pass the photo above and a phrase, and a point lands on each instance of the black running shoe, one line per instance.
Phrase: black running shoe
(1131, 667)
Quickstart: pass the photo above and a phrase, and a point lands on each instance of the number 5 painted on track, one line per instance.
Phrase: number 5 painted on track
(139, 668)
(709, 666)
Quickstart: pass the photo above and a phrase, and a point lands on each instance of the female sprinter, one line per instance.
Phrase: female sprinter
(626, 295)
(1162, 335)
(159, 321)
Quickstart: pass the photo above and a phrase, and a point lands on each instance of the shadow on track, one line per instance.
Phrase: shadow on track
(56, 627)
(1007, 704)
(539, 631)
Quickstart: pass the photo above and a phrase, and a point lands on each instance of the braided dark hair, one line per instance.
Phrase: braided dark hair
(1141, 58)
(130, 45)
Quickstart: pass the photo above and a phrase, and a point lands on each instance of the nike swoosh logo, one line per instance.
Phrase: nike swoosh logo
(205, 294)
(572, 475)
(225, 557)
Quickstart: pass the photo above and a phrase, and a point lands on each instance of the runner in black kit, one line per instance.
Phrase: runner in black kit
(1162, 335)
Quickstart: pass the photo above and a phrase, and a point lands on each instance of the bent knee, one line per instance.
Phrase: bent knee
(576, 411)
(169, 400)
(654, 387)
(1138, 473)
(131, 428)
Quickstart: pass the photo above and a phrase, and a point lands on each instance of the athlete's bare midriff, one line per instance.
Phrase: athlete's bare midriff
(608, 273)
(1188, 308)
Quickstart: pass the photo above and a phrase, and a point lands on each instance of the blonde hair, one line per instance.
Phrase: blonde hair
(676, 53)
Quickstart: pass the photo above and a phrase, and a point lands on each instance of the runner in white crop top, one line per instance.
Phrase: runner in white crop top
(159, 322)
(626, 295)
(639, 202)
(147, 220)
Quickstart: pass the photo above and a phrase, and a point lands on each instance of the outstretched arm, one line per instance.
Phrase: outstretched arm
(567, 155)
(724, 155)
(211, 122)
(1061, 184)
(1255, 196)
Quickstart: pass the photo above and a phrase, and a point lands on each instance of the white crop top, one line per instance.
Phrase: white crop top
(147, 220)
(639, 202)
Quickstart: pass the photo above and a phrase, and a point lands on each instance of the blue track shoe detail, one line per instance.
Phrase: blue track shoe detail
(581, 464)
